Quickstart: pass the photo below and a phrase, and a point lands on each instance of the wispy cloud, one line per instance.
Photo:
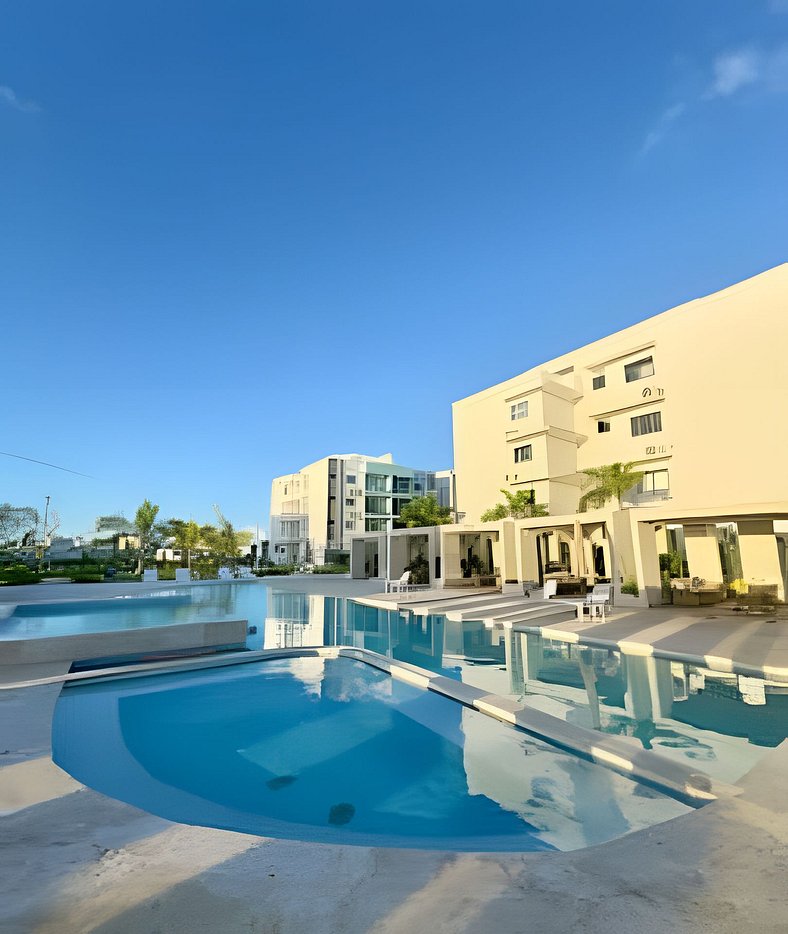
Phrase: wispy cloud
(735, 70)
(9, 96)
(663, 125)
(763, 70)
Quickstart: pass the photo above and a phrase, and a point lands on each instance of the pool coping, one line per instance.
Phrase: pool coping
(619, 754)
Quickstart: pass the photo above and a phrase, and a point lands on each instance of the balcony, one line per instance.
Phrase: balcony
(644, 497)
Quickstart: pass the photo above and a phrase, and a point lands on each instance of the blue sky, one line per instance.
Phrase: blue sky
(238, 236)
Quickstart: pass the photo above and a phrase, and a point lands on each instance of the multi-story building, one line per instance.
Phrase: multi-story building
(316, 511)
(692, 397)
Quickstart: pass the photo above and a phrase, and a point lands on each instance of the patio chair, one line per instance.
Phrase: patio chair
(399, 586)
(598, 601)
(550, 588)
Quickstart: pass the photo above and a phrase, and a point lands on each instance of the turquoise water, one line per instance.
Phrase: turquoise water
(333, 750)
(184, 604)
(720, 722)
(716, 721)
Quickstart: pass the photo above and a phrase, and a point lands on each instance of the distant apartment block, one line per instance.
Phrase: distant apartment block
(316, 511)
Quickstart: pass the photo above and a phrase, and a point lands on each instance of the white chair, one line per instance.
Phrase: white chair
(550, 589)
(598, 601)
(151, 574)
(399, 586)
(182, 575)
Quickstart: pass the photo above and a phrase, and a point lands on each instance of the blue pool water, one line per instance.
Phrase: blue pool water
(333, 750)
(184, 604)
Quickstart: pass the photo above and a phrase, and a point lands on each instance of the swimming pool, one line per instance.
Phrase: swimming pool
(334, 750)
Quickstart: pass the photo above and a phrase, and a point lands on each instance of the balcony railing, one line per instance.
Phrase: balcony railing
(645, 498)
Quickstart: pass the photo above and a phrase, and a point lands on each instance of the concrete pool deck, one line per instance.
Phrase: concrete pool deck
(74, 860)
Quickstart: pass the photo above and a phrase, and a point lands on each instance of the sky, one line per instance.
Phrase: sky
(238, 236)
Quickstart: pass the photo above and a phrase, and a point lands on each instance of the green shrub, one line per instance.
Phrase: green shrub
(18, 574)
(631, 587)
(276, 570)
(331, 569)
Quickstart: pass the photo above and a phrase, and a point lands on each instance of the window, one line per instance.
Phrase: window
(377, 505)
(599, 382)
(652, 488)
(523, 453)
(377, 525)
(350, 502)
(350, 525)
(646, 424)
(639, 369)
(519, 410)
(655, 481)
(376, 483)
(351, 479)
(601, 427)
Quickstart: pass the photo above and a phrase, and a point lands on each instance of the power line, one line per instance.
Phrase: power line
(45, 464)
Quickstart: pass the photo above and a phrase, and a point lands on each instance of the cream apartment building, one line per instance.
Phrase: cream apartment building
(317, 510)
(694, 397)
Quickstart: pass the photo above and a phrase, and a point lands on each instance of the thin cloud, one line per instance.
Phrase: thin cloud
(735, 70)
(10, 97)
(748, 67)
(665, 121)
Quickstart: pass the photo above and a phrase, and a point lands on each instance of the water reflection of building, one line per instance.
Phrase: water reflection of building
(675, 707)
(295, 619)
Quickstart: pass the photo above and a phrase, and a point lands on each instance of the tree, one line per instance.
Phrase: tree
(424, 511)
(17, 523)
(187, 538)
(143, 520)
(610, 481)
(227, 542)
(519, 505)
(184, 535)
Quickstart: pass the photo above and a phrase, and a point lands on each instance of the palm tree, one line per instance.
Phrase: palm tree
(611, 481)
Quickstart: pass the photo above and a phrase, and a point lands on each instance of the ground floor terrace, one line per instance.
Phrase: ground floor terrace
(74, 860)
(650, 556)
(660, 555)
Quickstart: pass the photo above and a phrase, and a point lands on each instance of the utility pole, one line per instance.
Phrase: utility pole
(44, 549)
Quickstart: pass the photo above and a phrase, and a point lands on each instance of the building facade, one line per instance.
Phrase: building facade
(316, 511)
(692, 398)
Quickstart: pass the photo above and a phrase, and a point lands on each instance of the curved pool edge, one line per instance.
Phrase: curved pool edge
(650, 768)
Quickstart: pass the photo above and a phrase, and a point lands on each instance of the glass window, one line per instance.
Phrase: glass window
(376, 525)
(599, 382)
(654, 481)
(377, 505)
(522, 453)
(376, 483)
(519, 410)
(350, 525)
(602, 427)
(401, 485)
(350, 478)
(646, 424)
(639, 369)
(350, 502)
